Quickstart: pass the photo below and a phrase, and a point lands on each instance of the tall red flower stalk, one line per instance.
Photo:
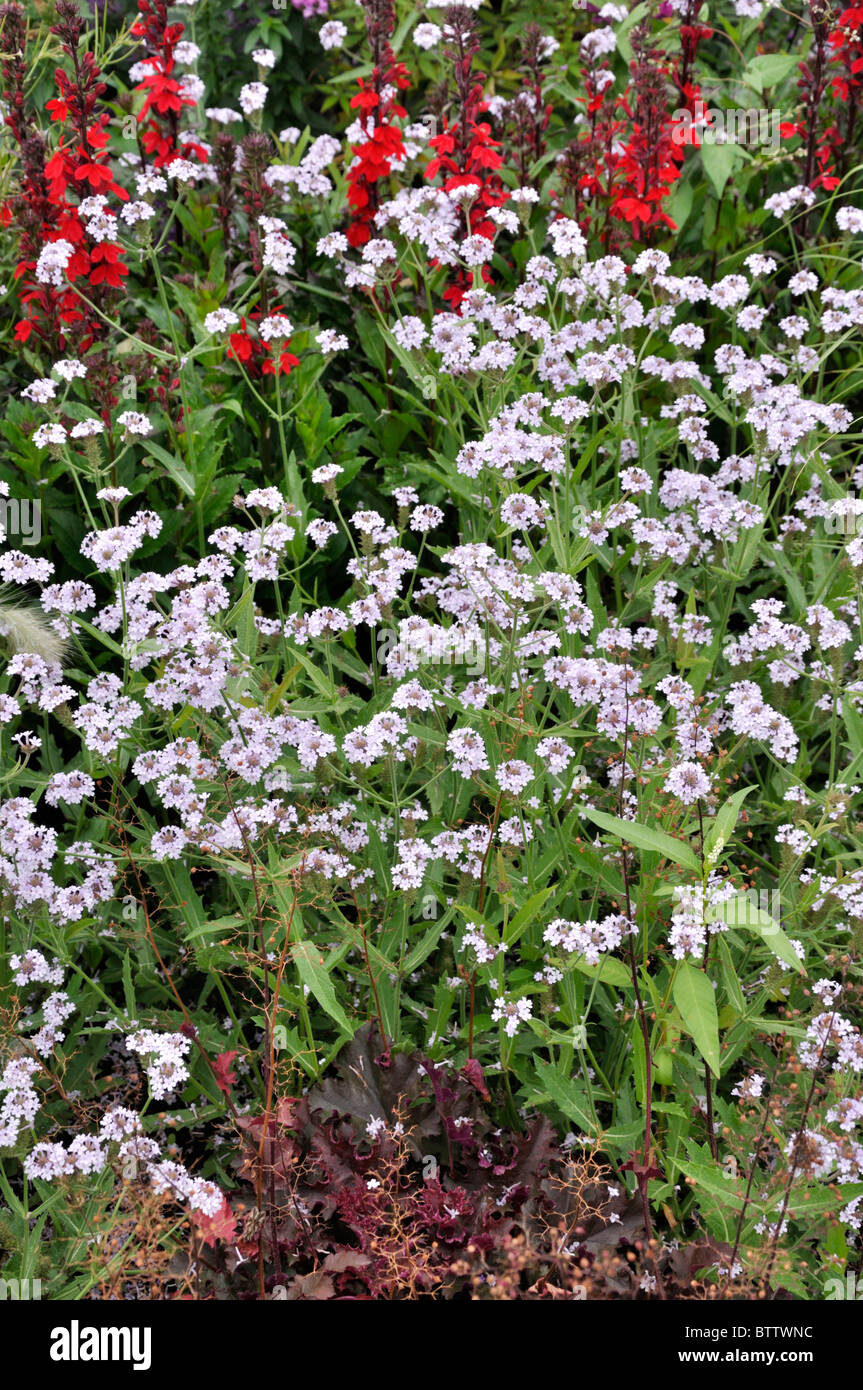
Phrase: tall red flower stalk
(465, 152)
(691, 35)
(530, 113)
(628, 159)
(42, 208)
(378, 110)
(588, 163)
(159, 120)
(820, 140)
(650, 163)
(846, 63)
(257, 197)
(224, 161)
(30, 206)
(821, 137)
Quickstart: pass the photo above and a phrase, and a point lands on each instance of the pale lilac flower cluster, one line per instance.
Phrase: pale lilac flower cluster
(164, 1054)
(589, 939)
(121, 1140)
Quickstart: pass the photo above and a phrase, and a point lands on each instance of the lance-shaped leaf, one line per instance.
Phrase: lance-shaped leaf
(694, 996)
(724, 822)
(742, 911)
(646, 837)
(316, 977)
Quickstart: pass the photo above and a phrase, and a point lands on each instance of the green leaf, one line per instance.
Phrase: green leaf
(183, 894)
(645, 837)
(314, 974)
(609, 970)
(224, 925)
(568, 1096)
(733, 991)
(719, 162)
(694, 996)
(175, 469)
(725, 821)
(768, 69)
(317, 677)
(639, 1060)
(679, 205)
(744, 913)
(710, 1177)
(242, 619)
(854, 725)
(635, 16)
(129, 988)
(525, 916)
(423, 948)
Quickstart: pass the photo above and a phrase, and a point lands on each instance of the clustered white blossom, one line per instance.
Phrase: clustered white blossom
(483, 622)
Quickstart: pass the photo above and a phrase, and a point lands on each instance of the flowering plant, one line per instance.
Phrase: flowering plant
(432, 707)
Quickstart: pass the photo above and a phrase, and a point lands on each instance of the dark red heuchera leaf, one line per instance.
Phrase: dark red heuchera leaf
(363, 1091)
(644, 1171)
(222, 1226)
(462, 1181)
(225, 1078)
(472, 1072)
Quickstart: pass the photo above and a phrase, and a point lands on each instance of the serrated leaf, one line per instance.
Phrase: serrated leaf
(566, 1094)
(767, 69)
(729, 977)
(719, 163)
(128, 987)
(174, 467)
